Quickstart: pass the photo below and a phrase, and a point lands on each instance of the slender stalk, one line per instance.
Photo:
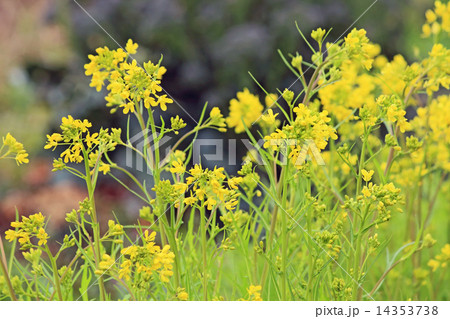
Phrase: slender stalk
(205, 266)
(284, 242)
(5, 272)
(173, 245)
(357, 257)
(95, 224)
(55, 272)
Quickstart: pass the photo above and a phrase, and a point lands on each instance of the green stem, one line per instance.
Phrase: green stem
(173, 245)
(205, 266)
(361, 163)
(5, 273)
(357, 258)
(95, 224)
(55, 273)
(284, 240)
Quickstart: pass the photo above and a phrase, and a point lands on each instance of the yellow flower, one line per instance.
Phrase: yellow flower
(271, 100)
(445, 252)
(106, 263)
(91, 139)
(53, 140)
(254, 293)
(11, 235)
(182, 294)
(131, 47)
(162, 101)
(190, 200)
(297, 62)
(14, 148)
(128, 107)
(215, 113)
(246, 108)
(367, 175)
(269, 118)
(105, 168)
(21, 158)
(125, 270)
(177, 167)
(434, 264)
(366, 192)
(42, 236)
(318, 35)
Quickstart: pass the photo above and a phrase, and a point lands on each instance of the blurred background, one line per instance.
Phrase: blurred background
(208, 47)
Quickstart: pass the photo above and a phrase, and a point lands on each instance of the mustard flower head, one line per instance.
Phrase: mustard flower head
(254, 293)
(392, 108)
(245, 109)
(308, 126)
(358, 48)
(82, 145)
(382, 197)
(30, 227)
(209, 187)
(14, 149)
(437, 20)
(130, 85)
(271, 100)
(367, 175)
(147, 260)
(181, 294)
(217, 120)
(318, 35)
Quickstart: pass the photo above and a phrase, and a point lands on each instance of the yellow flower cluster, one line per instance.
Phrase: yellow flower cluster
(81, 144)
(182, 295)
(170, 193)
(30, 227)
(358, 48)
(437, 19)
(245, 109)
(208, 186)
(353, 90)
(392, 107)
(381, 196)
(440, 260)
(432, 123)
(129, 84)
(14, 150)
(254, 293)
(147, 260)
(216, 120)
(309, 125)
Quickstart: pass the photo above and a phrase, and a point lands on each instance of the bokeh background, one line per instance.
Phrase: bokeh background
(208, 47)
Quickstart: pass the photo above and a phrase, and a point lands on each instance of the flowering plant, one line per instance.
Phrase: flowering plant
(341, 198)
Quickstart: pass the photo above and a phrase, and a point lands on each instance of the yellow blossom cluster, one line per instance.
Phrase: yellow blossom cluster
(353, 90)
(211, 188)
(358, 48)
(14, 149)
(440, 260)
(245, 109)
(147, 260)
(182, 295)
(217, 120)
(437, 19)
(129, 83)
(254, 293)
(30, 227)
(309, 125)
(382, 197)
(394, 112)
(81, 145)
(432, 123)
